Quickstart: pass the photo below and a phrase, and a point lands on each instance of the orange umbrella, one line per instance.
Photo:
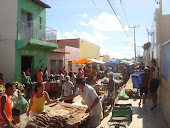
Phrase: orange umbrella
(83, 61)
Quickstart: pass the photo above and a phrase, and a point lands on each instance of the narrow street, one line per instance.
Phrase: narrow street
(142, 116)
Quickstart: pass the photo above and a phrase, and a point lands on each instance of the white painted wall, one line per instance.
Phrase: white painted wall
(7, 60)
(8, 22)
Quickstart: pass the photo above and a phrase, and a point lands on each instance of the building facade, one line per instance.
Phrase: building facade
(87, 49)
(56, 59)
(23, 37)
(160, 50)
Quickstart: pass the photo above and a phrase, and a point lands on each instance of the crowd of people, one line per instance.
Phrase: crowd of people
(72, 85)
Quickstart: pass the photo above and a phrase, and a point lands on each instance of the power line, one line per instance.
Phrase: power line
(101, 12)
(118, 19)
(96, 6)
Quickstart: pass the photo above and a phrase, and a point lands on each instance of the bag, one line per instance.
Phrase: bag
(123, 96)
(21, 104)
(135, 95)
(129, 92)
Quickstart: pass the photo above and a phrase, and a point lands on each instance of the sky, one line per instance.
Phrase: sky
(95, 21)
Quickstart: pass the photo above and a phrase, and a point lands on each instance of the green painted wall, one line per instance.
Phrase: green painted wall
(39, 55)
(39, 58)
(31, 7)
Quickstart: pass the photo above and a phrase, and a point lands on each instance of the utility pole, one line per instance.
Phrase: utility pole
(134, 27)
(149, 33)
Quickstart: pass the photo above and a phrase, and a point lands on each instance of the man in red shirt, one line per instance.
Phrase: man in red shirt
(39, 76)
(64, 71)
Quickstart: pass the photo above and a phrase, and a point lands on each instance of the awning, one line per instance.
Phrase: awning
(97, 61)
(35, 44)
(88, 61)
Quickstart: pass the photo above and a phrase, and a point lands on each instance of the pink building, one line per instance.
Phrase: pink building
(58, 58)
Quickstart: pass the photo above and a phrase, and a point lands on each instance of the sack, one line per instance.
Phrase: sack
(135, 95)
(21, 104)
(129, 92)
(123, 96)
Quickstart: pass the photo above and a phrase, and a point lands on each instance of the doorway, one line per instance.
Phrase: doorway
(26, 62)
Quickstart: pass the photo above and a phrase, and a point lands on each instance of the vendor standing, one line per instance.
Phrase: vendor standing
(111, 89)
(6, 106)
(26, 80)
(91, 99)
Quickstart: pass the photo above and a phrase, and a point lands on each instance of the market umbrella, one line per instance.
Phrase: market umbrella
(88, 61)
(95, 61)
(82, 61)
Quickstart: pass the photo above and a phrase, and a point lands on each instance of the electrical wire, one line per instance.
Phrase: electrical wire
(101, 12)
(118, 19)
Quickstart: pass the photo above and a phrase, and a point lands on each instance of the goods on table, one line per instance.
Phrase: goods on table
(100, 87)
(105, 80)
(74, 114)
(19, 86)
(2, 88)
(46, 121)
(62, 115)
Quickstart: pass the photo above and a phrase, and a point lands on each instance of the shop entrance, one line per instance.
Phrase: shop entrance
(26, 62)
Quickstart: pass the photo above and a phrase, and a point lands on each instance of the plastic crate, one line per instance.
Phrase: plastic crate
(136, 80)
(122, 111)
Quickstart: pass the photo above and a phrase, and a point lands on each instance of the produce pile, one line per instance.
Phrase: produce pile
(46, 121)
(100, 87)
(105, 80)
(19, 86)
(2, 88)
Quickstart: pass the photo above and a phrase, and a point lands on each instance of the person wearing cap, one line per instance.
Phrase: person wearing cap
(144, 85)
(91, 99)
(67, 88)
(111, 89)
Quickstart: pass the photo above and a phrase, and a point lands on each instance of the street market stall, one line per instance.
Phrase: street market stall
(62, 115)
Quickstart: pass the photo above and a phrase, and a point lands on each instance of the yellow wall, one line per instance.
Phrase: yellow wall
(89, 50)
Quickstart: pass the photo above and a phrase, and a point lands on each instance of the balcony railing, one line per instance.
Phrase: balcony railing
(33, 30)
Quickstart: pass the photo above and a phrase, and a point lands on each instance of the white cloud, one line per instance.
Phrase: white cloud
(84, 15)
(105, 22)
(83, 23)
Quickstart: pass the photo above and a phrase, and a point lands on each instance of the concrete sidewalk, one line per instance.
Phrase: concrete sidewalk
(142, 116)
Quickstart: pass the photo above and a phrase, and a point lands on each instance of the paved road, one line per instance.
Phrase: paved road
(142, 116)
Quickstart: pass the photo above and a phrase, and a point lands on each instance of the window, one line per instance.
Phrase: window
(40, 21)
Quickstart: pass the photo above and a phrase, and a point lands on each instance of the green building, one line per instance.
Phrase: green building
(25, 43)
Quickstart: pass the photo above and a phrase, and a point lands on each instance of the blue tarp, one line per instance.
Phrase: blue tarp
(111, 63)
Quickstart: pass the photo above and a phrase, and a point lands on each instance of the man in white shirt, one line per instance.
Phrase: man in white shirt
(92, 100)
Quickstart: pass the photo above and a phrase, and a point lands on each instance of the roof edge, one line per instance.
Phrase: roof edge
(41, 3)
